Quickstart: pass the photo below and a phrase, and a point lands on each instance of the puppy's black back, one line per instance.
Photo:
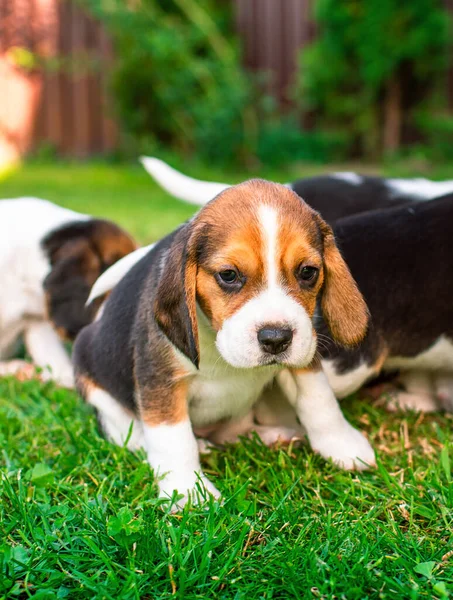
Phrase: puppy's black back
(335, 198)
(402, 261)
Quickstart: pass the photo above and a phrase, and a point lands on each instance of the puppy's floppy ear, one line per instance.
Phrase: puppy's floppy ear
(175, 308)
(78, 253)
(343, 306)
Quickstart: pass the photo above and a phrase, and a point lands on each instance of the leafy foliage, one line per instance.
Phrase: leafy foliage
(177, 77)
(371, 58)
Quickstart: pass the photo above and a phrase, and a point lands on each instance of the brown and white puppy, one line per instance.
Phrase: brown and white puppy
(49, 259)
(193, 333)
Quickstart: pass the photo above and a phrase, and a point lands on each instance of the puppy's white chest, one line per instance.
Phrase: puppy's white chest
(219, 391)
(214, 397)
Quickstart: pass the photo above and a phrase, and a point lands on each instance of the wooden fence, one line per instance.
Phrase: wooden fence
(64, 106)
(75, 114)
(273, 31)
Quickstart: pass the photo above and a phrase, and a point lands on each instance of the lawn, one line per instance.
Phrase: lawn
(79, 517)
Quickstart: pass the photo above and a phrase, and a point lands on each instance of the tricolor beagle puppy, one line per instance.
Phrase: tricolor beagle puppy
(49, 259)
(197, 328)
(334, 196)
(402, 260)
(365, 241)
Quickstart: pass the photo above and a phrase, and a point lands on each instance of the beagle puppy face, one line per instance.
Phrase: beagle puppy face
(78, 253)
(259, 283)
(256, 260)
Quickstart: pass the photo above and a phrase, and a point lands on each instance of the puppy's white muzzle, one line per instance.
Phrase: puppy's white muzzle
(271, 328)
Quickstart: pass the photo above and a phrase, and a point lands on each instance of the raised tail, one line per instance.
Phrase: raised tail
(181, 186)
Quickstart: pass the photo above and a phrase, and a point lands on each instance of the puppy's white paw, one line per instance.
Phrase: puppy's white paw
(196, 489)
(210, 488)
(420, 402)
(66, 380)
(62, 378)
(348, 448)
(204, 446)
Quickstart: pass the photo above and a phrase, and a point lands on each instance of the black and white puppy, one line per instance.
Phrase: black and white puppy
(49, 259)
(197, 328)
(402, 259)
(335, 196)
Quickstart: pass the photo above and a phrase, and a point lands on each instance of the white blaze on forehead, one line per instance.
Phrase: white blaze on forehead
(269, 226)
(237, 340)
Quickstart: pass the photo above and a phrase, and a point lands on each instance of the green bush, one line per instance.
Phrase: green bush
(437, 129)
(281, 141)
(177, 77)
(374, 64)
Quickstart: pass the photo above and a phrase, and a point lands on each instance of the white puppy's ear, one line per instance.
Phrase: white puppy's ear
(175, 308)
(193, 191)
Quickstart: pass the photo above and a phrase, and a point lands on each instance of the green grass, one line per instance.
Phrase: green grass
(79, 518)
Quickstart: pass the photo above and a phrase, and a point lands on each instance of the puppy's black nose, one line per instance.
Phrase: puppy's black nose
(274, 340)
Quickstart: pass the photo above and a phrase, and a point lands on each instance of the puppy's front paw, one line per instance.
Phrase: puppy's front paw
(348, 448)
(196, 489)
(62, 378)
(444, 391)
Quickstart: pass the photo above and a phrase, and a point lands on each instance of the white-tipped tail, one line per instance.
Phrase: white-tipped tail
(110, 278)
(181, 186)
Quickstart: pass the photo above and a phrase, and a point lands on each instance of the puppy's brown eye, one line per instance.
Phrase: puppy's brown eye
(228, 276)
(307, 274)
(230, 280)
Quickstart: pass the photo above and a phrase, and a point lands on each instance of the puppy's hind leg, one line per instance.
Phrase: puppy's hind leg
(276, 417)
(419, 394)
(115, 421)
(269, 434)
(274, 409)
